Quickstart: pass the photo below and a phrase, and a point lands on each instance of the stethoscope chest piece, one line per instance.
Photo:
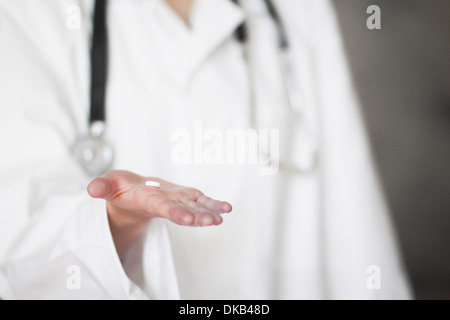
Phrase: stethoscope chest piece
(93, 151)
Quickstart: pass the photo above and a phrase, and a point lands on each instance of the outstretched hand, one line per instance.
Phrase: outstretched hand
(131, 204)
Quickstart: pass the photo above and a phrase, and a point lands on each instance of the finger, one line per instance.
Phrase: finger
(154, 202)
(208, 219)
(214, 205)
(204, 216)
(184, 195)
(100, 188)
(112, 184)
(170, 210)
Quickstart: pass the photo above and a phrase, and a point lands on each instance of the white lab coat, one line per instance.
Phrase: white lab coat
(290, 236)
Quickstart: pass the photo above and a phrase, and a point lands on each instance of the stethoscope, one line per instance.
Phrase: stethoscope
(93, 151)
(96, 155)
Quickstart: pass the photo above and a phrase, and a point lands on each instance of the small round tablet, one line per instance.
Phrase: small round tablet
(153, 184)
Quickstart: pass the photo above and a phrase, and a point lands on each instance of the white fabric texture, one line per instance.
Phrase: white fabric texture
(290, 236)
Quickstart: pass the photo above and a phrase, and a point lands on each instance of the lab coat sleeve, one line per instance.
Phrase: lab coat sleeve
(56, 241)
(361, 248)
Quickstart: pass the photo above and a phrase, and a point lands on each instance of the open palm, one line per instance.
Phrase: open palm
(126, 192)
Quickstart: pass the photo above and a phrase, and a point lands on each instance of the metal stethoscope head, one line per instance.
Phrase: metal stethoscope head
(93, 151)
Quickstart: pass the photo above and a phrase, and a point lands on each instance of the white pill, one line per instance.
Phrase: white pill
(153, 184)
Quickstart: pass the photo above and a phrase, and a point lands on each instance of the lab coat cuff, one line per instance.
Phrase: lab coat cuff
(79, 263)
(99, 240)
(147, 270)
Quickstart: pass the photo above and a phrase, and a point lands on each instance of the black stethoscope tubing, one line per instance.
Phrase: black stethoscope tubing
(93, 152)
(99, 62)
(99, 54)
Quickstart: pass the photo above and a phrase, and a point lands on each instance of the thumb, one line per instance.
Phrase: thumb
(100, 188)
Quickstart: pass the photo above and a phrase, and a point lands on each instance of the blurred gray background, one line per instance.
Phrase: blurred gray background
(402, 74)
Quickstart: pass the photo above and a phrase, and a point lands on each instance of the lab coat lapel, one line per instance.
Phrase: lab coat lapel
(174, 43)
(186, 46)
(212, 22)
